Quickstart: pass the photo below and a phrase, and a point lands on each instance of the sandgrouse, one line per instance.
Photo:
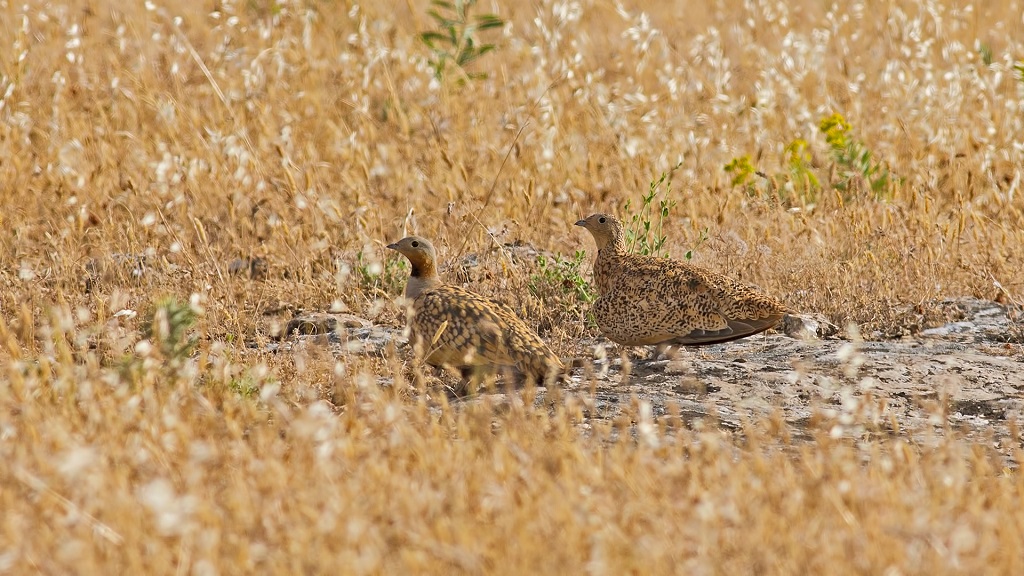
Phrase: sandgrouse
(645, 300)
(455, 327)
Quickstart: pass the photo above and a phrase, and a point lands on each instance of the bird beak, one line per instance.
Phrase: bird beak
(581, 222)
(393, 246)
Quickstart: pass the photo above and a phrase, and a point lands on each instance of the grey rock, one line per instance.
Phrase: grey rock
(254, 268)
(808, 326)
(311, 323)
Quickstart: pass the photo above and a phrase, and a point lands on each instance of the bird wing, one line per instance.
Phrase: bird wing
(459, 328)
(734, 330)
(661, 301)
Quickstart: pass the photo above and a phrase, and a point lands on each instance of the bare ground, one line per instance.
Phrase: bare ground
(965, 374)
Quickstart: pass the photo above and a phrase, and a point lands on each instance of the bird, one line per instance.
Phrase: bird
(451, 326)
(650, 301)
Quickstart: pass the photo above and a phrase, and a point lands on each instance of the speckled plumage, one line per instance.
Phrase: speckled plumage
(646, 300)
(455, 327)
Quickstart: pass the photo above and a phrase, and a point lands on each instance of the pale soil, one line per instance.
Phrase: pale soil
(967, 374)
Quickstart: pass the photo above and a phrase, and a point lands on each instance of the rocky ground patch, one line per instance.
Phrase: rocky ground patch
(968, 373)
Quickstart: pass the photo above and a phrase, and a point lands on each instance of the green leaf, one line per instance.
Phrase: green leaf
(429, 38)
(488, 21)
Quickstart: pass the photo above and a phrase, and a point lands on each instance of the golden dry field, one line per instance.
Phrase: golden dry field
(180, 179)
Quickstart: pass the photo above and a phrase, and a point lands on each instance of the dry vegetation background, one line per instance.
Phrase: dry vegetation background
(145, 146)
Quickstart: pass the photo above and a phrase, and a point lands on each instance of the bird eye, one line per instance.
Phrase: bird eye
(415, 244)
(602, 220)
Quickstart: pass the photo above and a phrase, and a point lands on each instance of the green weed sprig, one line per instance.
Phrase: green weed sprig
(852, 156)
(645, 228)
(454, 40)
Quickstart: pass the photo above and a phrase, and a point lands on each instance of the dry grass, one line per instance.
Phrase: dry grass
(143, 147)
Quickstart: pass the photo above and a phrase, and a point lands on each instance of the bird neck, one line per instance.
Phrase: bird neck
(424, 277)
(606, 266)
(616, 246)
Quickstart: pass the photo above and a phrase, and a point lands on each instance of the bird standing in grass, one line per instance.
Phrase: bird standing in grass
(455, 327)
(645, 300)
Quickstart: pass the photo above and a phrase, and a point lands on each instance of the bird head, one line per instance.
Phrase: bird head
(605, 228)
(419, 251)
